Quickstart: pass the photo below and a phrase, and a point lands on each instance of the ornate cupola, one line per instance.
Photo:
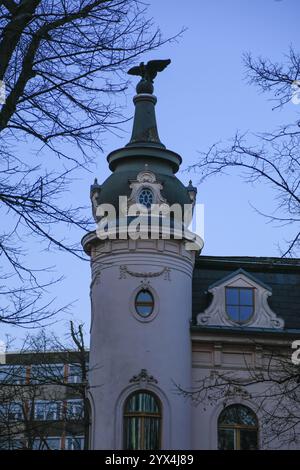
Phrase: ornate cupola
(144, 169)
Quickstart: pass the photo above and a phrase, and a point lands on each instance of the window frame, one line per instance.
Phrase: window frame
(70, 439)
(142, 415)
(145, 188)
(45, 403)
(239, 305)
(238, 427)
(144, 304)
(8, 374)
(47, 373)
(70, 415)
(74, 377)
(13, 411)
(39, 443)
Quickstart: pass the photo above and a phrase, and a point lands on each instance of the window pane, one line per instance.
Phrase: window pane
(226, 439)
(248, 439)
(144, 296)
(233, 312)
(75, 409)
(132, 430)
(237, 414)
(50, 443)
(13, 374)
(74, 443)
(232, 296)
(151, 433)
(144, 310)
(247, 416)
(146, 197)
(245, 313)
(47, 373)
(142, 402)
(75, 373)
(142, 422)
(47, 411)
(246, 297)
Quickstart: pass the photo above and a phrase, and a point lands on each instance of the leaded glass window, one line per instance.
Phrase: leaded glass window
(142, 422)
(239, 303)
(146, 197)
(237, 428)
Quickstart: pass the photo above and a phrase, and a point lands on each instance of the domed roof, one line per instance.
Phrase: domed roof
(118, 184)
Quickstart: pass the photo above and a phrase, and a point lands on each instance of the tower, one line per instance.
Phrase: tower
(141, 292)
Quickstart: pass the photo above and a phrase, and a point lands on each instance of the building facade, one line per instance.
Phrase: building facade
(42, 401)
(187, 351)
(168, 324)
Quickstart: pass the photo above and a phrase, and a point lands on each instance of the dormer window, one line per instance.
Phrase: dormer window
(240, 299)
(239, 303)
(146, 197)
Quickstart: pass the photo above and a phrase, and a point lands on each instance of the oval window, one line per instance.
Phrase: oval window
(144, 303)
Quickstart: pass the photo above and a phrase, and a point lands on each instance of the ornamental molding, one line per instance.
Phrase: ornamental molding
(263, 316)
(124, 272)
(143, 377)
(146, 179)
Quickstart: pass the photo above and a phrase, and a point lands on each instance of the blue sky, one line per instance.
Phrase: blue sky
(203, 97)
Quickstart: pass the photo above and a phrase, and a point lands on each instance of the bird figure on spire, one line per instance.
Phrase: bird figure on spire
(149, 71)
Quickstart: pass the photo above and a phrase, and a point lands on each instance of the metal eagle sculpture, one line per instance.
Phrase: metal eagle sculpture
(148, 73)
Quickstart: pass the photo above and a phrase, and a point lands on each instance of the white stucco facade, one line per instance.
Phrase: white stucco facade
(123, 345)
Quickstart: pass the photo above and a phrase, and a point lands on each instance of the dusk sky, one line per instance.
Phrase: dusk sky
(203, 97)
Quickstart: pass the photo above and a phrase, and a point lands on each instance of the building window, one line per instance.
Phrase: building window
(74, 443)
(49, 443)
(8, 443)
(239, 303)
(47, 373)
(142, 422)
(47, 410)
(11, 411)
(237, 428)
(146, 197)
(144, 303)
(13, 374)
(74, 409)
(75, 373)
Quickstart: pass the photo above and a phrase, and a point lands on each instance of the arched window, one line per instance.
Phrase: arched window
(237, 428)
(142, 422)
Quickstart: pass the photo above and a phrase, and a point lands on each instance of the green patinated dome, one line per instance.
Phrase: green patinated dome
(118, 183)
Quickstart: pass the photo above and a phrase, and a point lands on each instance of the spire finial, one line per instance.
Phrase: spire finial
(148, 73)
(144, 130)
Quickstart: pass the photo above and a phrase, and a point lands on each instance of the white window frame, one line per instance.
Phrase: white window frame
(46, 404)
(74, 378)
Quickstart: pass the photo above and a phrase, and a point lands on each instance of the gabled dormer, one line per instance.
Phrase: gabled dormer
(240, 300)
